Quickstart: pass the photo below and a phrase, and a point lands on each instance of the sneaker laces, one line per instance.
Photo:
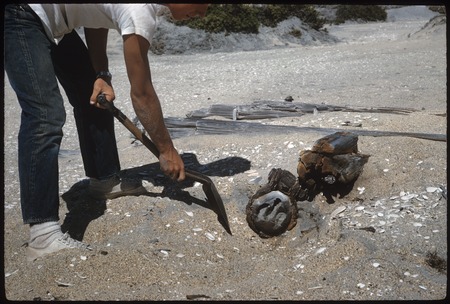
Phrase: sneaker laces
(72, 243)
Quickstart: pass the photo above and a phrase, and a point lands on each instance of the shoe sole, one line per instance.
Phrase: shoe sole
(33, 254)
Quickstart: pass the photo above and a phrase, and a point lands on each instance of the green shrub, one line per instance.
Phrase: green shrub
(437, 8)
(360, 13)
(296, 33)
(238, 18)
(246, 18)
(272, 14)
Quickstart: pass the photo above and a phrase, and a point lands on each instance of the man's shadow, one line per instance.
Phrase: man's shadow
(82, 209)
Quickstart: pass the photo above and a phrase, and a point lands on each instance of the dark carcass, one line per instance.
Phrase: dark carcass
(331, 166)
(271, 210)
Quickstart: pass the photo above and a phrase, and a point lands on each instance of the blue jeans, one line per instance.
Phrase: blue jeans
(34, 64)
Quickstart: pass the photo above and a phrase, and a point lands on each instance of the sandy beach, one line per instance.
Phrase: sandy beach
(168, 245)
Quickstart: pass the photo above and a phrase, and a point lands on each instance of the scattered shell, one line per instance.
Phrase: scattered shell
(290, 145)
(361, 285)
(320, 250)
(62, 284)
(407, 197)
(316, 287)
(210, 236)
(299, 266)
(378, 203)
(361, 190)
(417, 224)
(376, 265)
(251, 171)
(337, 211)
(423, 287)
(359, 208)
(11, 273)
(83, 258)
(190, 213)
(80, 276)
(255, 180)
(197, 229)
(431, 189)
(180, 255)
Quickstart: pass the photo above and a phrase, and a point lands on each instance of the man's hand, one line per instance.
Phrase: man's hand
(172, 165)
(102, 86)
(96, 40)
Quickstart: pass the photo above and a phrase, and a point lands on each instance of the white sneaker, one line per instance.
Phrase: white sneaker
(63, 241)
(114, 187)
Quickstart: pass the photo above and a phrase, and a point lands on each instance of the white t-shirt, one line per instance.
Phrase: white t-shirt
(61, 19)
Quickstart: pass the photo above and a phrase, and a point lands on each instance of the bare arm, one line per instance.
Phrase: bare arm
(96, 40)
(147, 106)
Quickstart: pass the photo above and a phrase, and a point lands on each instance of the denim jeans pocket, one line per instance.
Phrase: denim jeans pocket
(19, 12)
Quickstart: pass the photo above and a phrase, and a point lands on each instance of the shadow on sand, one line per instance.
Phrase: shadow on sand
(82, 209)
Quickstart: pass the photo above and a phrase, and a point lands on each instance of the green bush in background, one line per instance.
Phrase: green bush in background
(228, 18)
(247, 18)
(360, 13)
(272, 14)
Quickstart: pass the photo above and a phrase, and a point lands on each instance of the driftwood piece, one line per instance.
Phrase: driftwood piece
(197, 124)
(212, 126)
(276, 109)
